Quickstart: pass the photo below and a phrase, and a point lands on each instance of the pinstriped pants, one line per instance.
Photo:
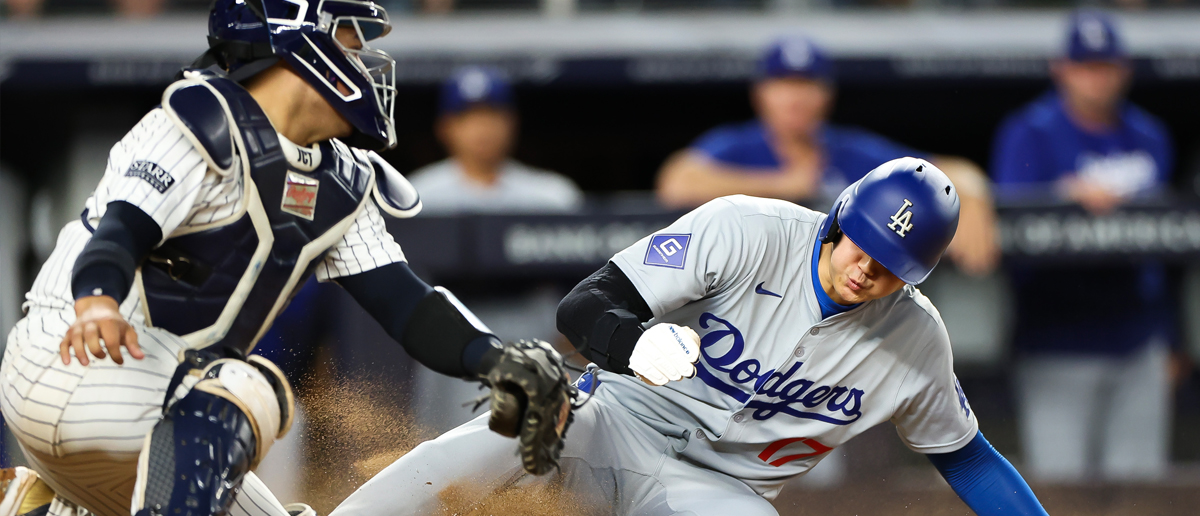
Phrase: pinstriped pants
(82, 427)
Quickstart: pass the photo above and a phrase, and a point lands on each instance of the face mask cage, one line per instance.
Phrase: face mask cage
(375, 65)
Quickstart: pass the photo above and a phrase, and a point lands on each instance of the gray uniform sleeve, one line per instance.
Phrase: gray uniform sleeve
(932, 413)
(702, 253)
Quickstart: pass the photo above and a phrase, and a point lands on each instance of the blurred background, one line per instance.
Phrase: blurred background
(546, 135)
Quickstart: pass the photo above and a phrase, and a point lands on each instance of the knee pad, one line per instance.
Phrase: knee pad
(222, 426)
(24, 493)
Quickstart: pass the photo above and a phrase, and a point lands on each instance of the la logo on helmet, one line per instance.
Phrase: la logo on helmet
(902, 220)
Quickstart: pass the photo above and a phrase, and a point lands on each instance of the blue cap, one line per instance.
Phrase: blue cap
(1094, 37)
(795, 56)
(472, 86)
(903, 214)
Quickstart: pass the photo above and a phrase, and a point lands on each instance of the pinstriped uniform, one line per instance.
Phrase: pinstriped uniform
(83, 427)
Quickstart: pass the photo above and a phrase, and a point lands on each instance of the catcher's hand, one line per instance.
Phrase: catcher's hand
(531, 400)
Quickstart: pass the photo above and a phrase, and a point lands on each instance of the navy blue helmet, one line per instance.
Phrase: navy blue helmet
(795, 56)
(1093, 36)
(903, 215)
(475, 86)
(247, 36)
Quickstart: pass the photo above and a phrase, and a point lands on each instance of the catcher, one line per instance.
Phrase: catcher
(130, 384)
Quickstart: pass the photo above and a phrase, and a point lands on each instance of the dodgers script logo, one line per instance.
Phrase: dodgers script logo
(668, 251)
(800, 398)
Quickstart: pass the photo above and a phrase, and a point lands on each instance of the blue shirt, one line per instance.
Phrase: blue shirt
(1108, 308)
(829, 307)
(1040, 144)
(849, 152)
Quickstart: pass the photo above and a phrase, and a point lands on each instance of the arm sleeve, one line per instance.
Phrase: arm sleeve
(394, 296)
(107, 263)
(986, 481)
(367, 245)
(603, 316)
(932, 414)
(702, 253)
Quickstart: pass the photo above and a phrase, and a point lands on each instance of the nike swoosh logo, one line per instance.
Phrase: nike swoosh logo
(759, 290)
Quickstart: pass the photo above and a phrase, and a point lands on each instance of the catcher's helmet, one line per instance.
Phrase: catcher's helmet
(247, 36)
(903, 215)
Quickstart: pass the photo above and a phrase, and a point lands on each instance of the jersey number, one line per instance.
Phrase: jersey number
(774, 447)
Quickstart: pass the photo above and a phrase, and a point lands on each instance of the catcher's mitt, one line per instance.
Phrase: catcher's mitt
(531, 400)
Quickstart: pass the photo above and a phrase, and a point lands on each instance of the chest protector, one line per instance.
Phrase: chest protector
(223, 283)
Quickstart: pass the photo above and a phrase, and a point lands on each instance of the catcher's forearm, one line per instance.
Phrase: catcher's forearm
(434, 328)
(603, 316)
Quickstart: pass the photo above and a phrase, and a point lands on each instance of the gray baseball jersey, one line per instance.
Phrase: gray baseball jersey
(777, 387)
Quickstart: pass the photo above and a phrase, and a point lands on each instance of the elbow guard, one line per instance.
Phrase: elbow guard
(603, 316)
(440, 332)
(613, 338)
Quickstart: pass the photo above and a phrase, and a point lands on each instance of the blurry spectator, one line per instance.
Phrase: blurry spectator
(138, 8)
(124, 8)
(790, 152)
(1092, 379)
(437, 6)
(478, 126)
(23, 8)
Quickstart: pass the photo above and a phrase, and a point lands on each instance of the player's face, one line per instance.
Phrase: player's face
(348, 38)
(481, 134)
(855, 277)
(792, 107)
(1095, 83)
(321, 114)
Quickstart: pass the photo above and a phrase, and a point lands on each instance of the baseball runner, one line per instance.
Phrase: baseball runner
(765, 335)
(212, 212)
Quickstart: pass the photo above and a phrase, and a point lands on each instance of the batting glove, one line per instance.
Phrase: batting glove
(664, 353)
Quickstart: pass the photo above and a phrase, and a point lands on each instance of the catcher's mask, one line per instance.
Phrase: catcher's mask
(247, 36)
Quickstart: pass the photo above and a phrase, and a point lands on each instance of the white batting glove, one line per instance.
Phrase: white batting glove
(664, 353)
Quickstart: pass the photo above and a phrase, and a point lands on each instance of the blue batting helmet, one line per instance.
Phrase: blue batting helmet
(247, 36)
(903, 215)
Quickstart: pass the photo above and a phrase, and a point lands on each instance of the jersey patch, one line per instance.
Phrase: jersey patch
(150, 172)
(668, 251)
(962, 398)
(300, 195)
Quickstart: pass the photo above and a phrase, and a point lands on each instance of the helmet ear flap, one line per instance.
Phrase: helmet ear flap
(835, 230)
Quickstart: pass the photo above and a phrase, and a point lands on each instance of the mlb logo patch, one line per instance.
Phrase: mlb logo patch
(668, 251)
(300, 195)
